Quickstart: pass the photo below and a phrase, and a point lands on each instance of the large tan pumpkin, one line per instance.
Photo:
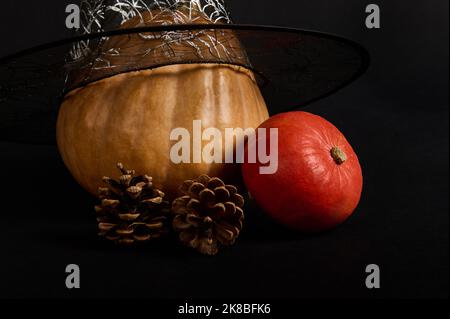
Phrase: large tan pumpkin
(128, 118)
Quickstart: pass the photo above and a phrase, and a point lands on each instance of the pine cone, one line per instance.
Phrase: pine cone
(131, 209)
(209, 215)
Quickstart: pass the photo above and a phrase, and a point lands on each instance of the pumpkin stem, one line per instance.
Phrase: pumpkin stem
(338, 155)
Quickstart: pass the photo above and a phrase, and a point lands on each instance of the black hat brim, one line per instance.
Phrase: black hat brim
(295, 68)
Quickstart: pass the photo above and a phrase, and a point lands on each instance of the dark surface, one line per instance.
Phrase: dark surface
(396, 117)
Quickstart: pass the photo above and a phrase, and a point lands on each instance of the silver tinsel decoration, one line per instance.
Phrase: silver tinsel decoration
(93, 59)
(103, 15)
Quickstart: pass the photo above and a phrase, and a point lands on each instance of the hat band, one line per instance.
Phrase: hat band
(94, 59)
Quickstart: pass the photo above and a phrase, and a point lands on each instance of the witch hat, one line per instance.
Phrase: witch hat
(293, 67)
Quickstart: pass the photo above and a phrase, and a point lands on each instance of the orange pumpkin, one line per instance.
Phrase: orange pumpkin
(129, 118)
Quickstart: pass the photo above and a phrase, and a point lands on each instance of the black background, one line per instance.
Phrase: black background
(396, 117)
